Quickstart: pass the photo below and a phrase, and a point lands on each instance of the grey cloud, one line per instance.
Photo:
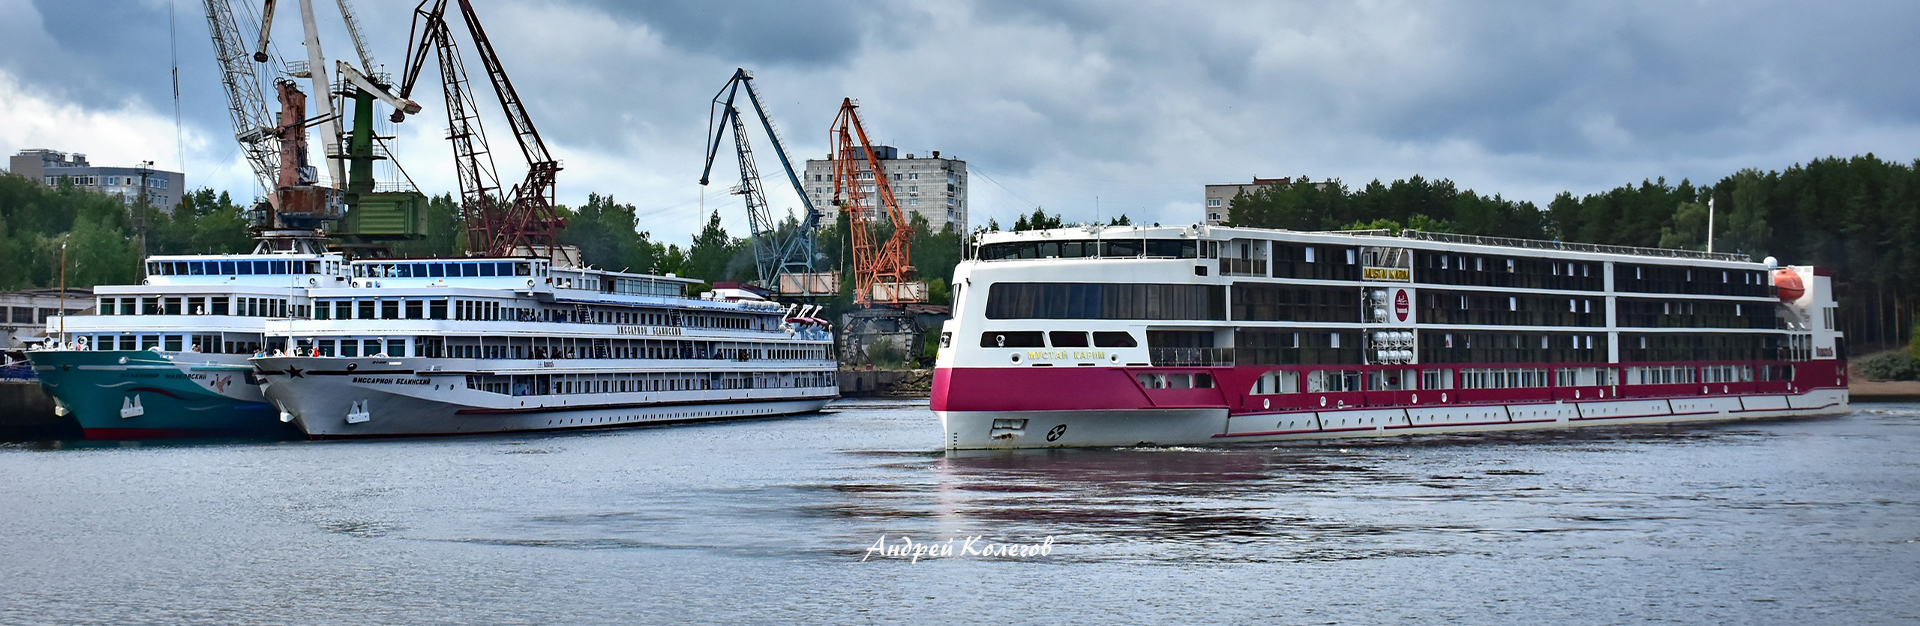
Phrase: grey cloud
(766, 33)
(1060, 100)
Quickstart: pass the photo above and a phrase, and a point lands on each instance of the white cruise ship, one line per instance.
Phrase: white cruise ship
(168, 357)
(1182, 335)
(440, 347)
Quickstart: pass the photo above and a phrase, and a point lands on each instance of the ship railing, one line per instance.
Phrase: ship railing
(1539, 244)
(1191, 357)
(1243, 267)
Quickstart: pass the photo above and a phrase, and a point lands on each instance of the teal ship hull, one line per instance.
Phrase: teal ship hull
(145, 394)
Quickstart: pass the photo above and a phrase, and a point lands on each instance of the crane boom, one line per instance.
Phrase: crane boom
(881, 273)
(318, 76)
(773, 256)
(253, 125)
(525, 219)
(353, 32)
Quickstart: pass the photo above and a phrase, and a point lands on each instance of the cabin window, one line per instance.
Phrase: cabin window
(1110, 301)
(1011, 339)
(1114, 339)
(1067, 339)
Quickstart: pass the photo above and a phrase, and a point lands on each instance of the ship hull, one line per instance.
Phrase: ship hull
(142, 394)
(1003, 408)
(327, 402)
(1013, 429)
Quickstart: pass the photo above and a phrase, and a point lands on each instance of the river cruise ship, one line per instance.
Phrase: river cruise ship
(1124, 336)
(441, 347)
(168, 357)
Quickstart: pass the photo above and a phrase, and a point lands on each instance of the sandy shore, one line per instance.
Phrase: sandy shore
(1868, 390)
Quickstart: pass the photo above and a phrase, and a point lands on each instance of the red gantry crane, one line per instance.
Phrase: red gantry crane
(882, 274)
(523, 222)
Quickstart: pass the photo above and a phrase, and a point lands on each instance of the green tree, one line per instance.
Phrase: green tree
(1688, 231)
(715, 256)
(608, 235)
(1039, 220)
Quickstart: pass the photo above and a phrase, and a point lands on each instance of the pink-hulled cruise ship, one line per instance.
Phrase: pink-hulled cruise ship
(1128, 335)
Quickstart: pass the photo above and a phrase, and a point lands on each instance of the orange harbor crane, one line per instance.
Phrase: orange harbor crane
(881, 273)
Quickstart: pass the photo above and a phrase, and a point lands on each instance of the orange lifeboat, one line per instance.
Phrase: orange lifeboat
(1789, 285)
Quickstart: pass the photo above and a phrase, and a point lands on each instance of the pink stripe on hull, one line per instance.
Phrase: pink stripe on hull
(1118, 389)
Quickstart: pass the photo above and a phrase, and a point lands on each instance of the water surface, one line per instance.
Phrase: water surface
(1780, 522)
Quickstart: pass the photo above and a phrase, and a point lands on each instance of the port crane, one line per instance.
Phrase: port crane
(298, 203)
(523, 221)
(783, 264)
(882, 274)
(887, 299)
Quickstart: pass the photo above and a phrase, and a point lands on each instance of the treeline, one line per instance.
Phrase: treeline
(105, 238)
(1857, 217)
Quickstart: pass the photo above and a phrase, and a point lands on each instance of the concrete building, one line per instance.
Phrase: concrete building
(26, 312)
(162, 188)
(934, 187)
(1219, 199)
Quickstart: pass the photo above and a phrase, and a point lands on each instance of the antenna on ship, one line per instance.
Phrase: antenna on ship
(1709, 222)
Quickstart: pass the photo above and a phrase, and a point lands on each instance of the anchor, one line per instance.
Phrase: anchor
(130, 407)
(358, 412)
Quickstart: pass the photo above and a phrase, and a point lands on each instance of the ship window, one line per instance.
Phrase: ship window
(435, 270)
(1111, 301)
(1171, 248)
(437, 309)
(1114, 339)
(246, 268)
(197, 268)
(486, 269)
(413, 310)
(1011, 339)
(365, 309)
(1121, 248)
(1067, 339)
(279, 267)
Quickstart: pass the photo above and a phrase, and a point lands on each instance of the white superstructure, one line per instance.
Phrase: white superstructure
(1178, 335)
(417, 347)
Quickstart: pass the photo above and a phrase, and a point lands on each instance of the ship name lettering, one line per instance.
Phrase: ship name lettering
(368, 380)
(1066, 354)
(648, 330)
(1386, 273)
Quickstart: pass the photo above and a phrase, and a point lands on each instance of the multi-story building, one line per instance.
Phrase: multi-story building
(26, 312)
(160, 187)
(1220, 196)
(934, 187)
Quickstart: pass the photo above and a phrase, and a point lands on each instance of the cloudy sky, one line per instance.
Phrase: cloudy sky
(1137, 104)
